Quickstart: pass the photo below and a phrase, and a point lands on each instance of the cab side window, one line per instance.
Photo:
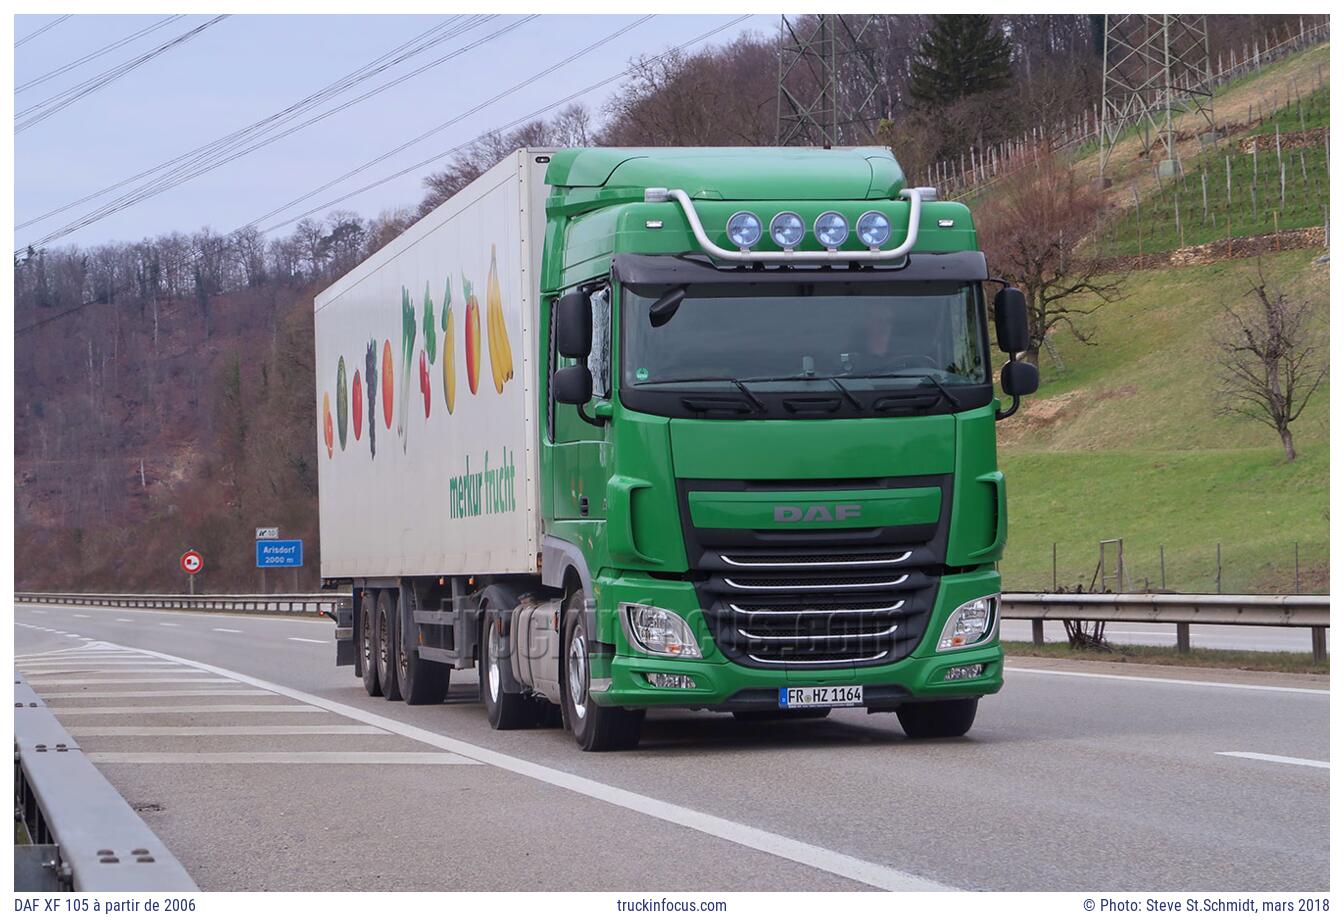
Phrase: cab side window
(599, 360)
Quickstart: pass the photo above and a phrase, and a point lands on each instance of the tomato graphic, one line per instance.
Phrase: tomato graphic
(357, 406)
(328, 434)
(387, 382)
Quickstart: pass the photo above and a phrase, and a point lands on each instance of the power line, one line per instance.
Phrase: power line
(51, 25)
(61, 100)
(155, 187)
(455, 119)
(95, 54)
(517, 121)
(369, 70)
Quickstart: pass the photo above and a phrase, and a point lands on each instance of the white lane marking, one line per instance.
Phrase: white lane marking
(83, 659)
(1277, 758)
(798, 851)
(184, 731)
(222, 629)
(137, 694)
(297, 639)
(167, 623)
(83, 616)
(203, 708)
(75, 669)
(1169, 680)
(85, 681)
(124, 620)
(372, 758)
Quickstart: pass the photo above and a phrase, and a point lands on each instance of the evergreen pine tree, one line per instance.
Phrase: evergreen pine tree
(959, 56)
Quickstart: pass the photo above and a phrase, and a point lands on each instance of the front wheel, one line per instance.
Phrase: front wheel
(595, 728)
(940, 719)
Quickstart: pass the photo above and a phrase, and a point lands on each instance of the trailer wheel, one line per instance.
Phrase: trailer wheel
(368, 643)
(940, 719)
(387, 643)
(422, 682)
(781, 715)
(595, 728)
(506, 710)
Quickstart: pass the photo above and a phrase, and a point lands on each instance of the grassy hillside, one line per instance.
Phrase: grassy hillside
(1125, 442)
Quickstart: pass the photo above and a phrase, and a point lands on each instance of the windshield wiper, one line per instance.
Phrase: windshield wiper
(947, 394)
(733, 380)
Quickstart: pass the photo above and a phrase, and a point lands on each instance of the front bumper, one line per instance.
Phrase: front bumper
(721, 684)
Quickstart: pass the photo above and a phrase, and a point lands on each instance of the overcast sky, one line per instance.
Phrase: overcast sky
(248, 67)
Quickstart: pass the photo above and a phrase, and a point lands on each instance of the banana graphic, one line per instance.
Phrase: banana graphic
(501, 355)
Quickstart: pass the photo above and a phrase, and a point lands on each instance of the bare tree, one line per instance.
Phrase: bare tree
(1037, 236)
(1268, 352)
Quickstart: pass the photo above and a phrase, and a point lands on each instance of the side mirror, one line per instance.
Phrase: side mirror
(574, 326)
(665, 307)
(573, 385)
(1010, 320)
(1020, 378)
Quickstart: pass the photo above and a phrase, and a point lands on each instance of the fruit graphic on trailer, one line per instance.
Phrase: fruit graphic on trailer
(371, 384)
(424, 380)
(357, 406)
(501, 355)
(387, 382)
(473, 336)
(342, 402)
(328, 434)
(449, 361)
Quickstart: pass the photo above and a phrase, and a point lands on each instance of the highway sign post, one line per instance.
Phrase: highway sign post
(192, 562)
(268, 533)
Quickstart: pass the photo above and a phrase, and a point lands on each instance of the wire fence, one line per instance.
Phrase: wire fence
(1119, 566)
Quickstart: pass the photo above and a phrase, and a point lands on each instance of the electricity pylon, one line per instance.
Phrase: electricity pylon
(828, 80)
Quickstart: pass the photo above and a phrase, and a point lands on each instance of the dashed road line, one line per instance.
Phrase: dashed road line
(222, 629)
(194, 710)
(1277, 758)
(185, 731)
(297, 639)
(148, 694)
(371, 758)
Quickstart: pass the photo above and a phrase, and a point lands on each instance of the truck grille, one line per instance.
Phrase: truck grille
(801, 613)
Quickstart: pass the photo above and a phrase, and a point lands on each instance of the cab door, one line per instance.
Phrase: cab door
(580, 451)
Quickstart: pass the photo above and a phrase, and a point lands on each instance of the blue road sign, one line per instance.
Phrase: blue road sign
(279, 554)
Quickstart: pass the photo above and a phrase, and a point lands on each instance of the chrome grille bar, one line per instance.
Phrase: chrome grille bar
(816, 613)
(842, 563)
(809, 638)
(850, 585)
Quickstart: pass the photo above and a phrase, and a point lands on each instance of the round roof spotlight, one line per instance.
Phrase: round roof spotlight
(744, 229)
(831, 229)
(874, 229)
(786, 229)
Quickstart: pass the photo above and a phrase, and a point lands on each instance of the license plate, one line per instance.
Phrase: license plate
(813, 697)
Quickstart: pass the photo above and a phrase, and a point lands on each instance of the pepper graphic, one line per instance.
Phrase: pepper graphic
(501, 355)
(357, 406)
(407, 358)
(449, 359)
(327, 435)
(472, 326)
(431, 339)
(342, 401)
(371, 382)
(387, 383)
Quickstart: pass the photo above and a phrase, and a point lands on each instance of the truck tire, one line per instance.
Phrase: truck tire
(595, 728)
(386, 630)
(368, 643)
(422, 682)
(505, 710)
(781, 715)
(940, 719)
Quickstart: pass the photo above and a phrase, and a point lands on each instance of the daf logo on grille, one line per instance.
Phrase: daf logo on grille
(807, 514)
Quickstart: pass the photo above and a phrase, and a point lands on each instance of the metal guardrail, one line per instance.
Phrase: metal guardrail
(323, 603)
(1305, 611)
(84, 835)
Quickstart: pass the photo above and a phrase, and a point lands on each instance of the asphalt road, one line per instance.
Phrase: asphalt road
(264, 767)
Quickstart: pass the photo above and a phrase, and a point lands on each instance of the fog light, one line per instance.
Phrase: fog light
(874, 229)
(744, 229)
(964, 672)
(671, 681)
(786, 229)
(831, 229)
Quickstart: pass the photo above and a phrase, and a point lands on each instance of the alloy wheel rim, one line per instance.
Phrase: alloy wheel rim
(492, 662)
(578, 674)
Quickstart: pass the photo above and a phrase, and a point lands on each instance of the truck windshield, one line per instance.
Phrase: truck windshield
(876, 334)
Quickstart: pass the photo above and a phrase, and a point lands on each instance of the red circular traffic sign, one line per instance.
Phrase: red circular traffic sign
(192, 562)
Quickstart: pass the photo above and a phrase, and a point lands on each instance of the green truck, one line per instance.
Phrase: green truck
(630, 429)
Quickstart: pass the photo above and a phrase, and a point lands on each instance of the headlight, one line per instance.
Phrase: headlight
(786, 229)
(831, 229)
(970, 624)
(874, 229)
(660, 631)
(744, 229)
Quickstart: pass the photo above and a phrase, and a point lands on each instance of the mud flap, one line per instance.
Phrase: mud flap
(345, 632)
